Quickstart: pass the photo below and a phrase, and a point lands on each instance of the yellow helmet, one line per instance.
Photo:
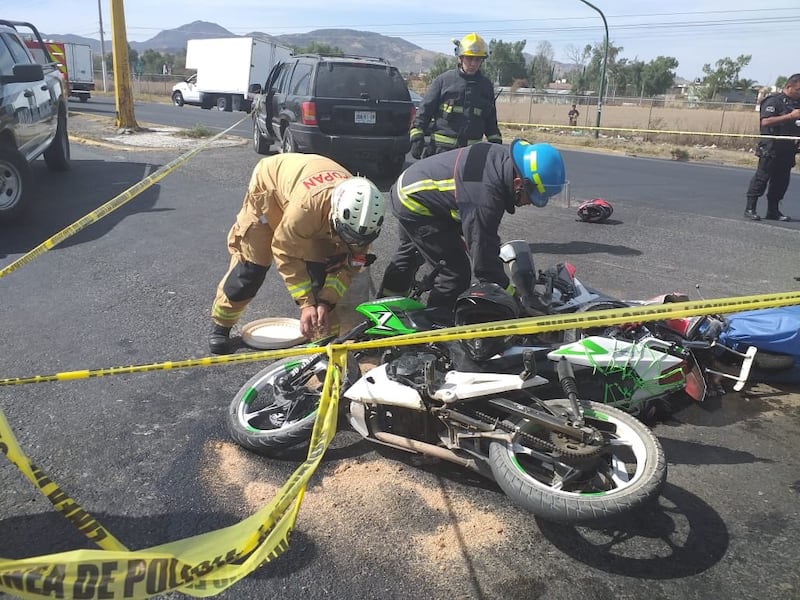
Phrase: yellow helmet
(472, 45)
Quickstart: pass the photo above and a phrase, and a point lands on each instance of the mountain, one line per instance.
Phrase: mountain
(404, 55)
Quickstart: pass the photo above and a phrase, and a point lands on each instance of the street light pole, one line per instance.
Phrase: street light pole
(102, 47)
(603, 75)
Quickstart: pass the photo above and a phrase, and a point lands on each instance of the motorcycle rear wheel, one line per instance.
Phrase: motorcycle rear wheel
(265, 419)
(631, 472)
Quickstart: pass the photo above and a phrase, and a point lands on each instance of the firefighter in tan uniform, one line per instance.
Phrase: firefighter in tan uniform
(312, 218)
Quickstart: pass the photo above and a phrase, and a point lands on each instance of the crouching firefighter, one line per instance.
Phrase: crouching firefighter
(449, 209)
(315, 221)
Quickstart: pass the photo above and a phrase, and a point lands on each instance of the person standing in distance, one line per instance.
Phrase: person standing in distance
(776, 157)
(316, 221)
(459, 107)
(449, 209)
(573, 115)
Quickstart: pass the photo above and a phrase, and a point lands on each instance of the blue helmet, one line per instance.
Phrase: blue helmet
(541, 167)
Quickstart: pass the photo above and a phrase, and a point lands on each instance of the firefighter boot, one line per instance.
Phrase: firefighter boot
(750, 209)
(774, 213)
(219, 341)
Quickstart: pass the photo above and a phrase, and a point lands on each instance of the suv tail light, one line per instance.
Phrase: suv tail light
(308, 113)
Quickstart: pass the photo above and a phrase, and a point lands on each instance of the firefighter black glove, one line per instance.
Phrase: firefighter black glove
(417, 146)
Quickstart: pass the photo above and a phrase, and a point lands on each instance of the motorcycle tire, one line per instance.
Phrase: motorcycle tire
(628, 474)
(573, 335)
(257, 414)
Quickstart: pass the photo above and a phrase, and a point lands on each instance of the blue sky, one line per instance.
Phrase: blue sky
(695, 32)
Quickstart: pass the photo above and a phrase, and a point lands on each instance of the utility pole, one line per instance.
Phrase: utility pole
(603, 75)
(102, 47)
(122, 69)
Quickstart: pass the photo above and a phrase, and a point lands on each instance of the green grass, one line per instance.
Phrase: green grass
(198, 131)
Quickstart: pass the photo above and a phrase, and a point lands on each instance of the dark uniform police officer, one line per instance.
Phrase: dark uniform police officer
(449, 209)
(459, 107)
(776, 157)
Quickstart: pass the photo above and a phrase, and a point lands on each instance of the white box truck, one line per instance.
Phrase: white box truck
(80, 70)
(226, 67)
(74, 62)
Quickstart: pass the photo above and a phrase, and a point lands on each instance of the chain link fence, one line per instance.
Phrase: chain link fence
(680, 120)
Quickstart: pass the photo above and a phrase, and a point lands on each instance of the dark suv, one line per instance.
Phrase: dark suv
(354, 109)
(33, 117)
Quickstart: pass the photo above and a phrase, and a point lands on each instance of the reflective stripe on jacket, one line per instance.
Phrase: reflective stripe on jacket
(473, 185)
(292, 193)
(458, 110)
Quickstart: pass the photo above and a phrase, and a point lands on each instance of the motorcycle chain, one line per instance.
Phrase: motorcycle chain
(585, 452)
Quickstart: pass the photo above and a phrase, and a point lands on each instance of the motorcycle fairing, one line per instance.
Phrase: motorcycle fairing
(633, 372)
(387, 315)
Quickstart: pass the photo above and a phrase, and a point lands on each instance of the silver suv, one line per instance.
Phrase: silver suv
(33, 116)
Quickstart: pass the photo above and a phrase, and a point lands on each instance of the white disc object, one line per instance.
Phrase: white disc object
(272, 333)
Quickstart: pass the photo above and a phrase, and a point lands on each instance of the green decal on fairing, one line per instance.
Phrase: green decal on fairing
(586, 347)
(382, 313)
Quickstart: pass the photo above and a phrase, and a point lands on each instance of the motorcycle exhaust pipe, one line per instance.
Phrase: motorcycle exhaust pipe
(424, 448)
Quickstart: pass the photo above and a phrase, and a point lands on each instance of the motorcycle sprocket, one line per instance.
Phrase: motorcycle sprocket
(573, 451)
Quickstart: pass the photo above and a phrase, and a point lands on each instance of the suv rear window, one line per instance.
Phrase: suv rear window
(348, 80)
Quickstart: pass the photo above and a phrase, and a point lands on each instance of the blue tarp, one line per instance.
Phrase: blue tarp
(770, 330)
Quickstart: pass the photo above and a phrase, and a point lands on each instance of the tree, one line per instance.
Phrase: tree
(319, 48)
(152, 62)
(590, 78)
(440, 65)
(505, 63)
(540, 71)
(725, 75)
(658, 75)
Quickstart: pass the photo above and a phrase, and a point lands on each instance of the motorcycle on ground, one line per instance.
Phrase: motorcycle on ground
(565, 459)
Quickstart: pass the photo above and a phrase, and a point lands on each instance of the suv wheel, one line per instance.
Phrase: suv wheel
(287, 142)
(16, 183)
(260, 143)
(56, 157)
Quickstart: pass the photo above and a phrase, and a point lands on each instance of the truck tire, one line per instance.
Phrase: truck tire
(16, 183)
(224, 103)
(177, 98)
(206, 101)
(261, 144)
(56, 157)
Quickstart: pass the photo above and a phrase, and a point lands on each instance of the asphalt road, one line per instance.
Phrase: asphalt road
(149, 456)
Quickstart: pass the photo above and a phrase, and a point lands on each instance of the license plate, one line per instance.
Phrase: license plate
(365, 116)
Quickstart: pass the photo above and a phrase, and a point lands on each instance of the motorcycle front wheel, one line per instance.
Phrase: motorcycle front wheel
(628, 472)
(277, 407)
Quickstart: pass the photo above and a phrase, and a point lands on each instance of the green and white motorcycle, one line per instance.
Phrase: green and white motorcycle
(565, 459)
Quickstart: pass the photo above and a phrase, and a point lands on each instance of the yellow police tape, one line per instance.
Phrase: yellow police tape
(208, 563)
(655, 131)
(111, 205)
(200, 566)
